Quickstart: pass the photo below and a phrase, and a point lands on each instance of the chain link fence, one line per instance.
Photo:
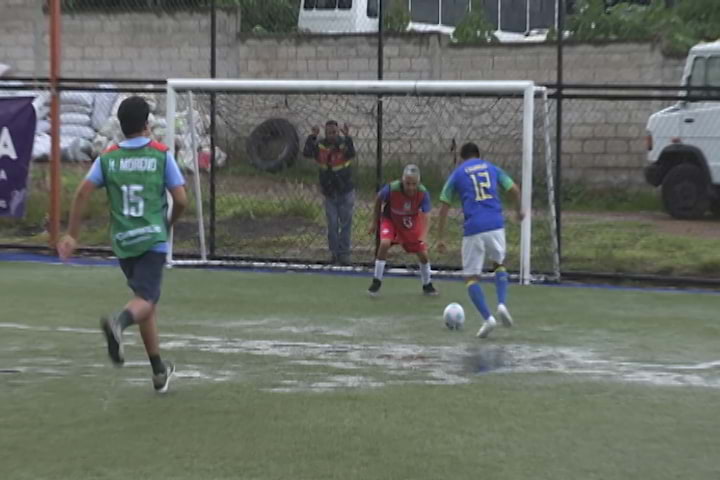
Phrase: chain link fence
(265, 202)
(267, 199)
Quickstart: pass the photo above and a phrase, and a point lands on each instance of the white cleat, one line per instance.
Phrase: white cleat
(113, 335)
(487, 327)
(504, 315)
(161, 381)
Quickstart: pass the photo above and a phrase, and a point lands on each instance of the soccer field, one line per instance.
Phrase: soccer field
(303, 376)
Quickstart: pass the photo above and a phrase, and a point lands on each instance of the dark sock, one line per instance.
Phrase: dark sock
(126, 319)
(158, 366)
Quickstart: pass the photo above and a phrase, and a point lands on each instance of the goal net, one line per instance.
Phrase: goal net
(261, 204)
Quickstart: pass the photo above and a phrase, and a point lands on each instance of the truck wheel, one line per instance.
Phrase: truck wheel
(273, 145)
(685, 192)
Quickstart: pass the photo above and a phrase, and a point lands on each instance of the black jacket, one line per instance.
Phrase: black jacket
(333, 160)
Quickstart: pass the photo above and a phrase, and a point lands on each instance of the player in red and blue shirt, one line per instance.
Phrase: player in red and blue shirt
(477, 183)
(401, 212)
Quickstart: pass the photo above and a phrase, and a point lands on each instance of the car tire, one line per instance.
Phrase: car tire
(685, 192)
(273, 145)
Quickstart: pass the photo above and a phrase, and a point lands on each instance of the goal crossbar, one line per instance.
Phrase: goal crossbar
(354, 87)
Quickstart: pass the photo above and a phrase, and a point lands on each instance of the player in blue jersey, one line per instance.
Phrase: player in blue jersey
(477, 183)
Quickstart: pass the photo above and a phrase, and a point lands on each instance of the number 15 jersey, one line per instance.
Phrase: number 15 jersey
(477, 183)
(136, 174)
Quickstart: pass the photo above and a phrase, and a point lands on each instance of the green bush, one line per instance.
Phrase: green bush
(676, 29)
(474, 27)
(397, 16)
(266, 16)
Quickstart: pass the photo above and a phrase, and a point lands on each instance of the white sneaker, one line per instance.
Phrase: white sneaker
(113, 335)
(161, 381)
(504, 315)
(487, 327)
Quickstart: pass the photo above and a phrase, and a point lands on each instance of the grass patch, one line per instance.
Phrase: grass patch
(635, 246)
(289, 376)
(249, 207)
(264, 215)
(585, 198)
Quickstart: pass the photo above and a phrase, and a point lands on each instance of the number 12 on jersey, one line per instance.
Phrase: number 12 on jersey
(481, 181)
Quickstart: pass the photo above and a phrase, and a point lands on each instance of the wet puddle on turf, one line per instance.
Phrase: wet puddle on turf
(287, 366)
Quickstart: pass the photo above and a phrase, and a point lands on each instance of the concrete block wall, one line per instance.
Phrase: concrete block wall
(604, 138)
(22, 30)
(117, 45)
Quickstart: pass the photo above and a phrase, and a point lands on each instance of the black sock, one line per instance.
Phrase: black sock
(126, 319)
(158, 366)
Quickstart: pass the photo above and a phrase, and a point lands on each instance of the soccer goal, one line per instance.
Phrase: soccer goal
(264, 203)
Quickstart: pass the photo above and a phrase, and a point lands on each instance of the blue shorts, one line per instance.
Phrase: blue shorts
(144, 274)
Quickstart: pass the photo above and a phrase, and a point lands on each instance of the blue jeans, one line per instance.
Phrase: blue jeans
(339, 212)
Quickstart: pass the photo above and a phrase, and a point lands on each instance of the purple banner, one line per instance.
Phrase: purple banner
(17, 132)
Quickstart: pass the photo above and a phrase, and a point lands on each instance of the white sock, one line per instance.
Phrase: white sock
(425, 273)
(379, 269)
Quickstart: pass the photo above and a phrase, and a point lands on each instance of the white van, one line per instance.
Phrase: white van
(338, 16)
(359, 16)
(684, 141)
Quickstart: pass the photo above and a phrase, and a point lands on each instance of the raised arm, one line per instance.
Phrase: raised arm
(350, 146)
(311, 149)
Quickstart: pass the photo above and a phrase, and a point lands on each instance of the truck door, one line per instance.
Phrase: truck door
(700, 124)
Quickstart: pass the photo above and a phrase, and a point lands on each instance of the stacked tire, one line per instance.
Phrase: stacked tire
(273, 145)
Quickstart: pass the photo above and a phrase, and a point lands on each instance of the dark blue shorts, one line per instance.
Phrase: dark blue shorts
(144, 274)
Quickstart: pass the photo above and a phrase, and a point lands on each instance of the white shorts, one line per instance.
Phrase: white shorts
(475, 247)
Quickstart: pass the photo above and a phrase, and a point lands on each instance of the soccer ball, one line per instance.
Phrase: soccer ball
(454, 316)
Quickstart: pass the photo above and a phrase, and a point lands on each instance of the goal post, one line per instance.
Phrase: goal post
(185, 90)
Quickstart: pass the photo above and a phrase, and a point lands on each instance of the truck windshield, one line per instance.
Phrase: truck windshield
(705, 73)
(713, 76)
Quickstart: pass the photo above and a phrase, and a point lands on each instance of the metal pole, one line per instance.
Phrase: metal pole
(170, 109)
(559, 126)
(55, 183)
(549, 176)
(379, 125)
(527, 17)
(527, 181)
(380, 74)
(213, 74)
(196, 179)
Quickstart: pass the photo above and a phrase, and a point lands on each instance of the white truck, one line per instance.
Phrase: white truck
(683, 141)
